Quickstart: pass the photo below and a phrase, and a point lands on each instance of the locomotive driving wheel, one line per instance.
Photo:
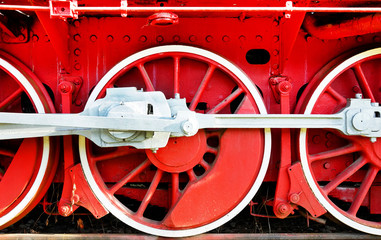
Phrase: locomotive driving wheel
(26, 165)
(343, 171)
(194, 184)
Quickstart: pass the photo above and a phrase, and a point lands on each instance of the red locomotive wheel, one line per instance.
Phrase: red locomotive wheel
(26, 165)
(194, 184)
(343, 171)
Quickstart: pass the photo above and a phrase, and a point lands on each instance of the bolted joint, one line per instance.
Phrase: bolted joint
(284, 87)
(294, 198)
(187, 127)
(282, 210)
(65, 210)
(66, 87)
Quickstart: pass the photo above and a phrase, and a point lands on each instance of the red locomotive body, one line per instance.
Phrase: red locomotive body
(281, 92)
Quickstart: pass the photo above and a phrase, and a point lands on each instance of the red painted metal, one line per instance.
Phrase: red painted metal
(71, 47)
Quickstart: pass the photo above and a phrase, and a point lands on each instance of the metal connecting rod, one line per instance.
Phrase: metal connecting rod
(147, 120)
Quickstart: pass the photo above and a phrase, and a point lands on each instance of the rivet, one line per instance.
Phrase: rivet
(226, 38)
(192, 38)
(77, 66)
(21, 37)
(327, 165)
(276, 38)
(77, 52)
(110, 38)
(126, 38)
(143, 38)
(159, 39)
(356, 89)
(77, 37)
(359, 39)
(258, 38)
(76, 23)
(275, 66)
(35, 38)
(275, 23)
(46, 38)
(275, 52)
(242, 38)
(316, 139)
(176, 38)
(377, 39)
(209, 38)
(93, 38)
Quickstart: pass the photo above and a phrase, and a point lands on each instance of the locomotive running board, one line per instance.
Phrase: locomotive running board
(146, 120)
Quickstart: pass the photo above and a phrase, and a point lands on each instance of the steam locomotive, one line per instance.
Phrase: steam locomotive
(170, 114)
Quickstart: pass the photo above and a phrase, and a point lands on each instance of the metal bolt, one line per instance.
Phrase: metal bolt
(242, 38)
(77, 66)
(326, 165)
(143, 38)
(316, 139)
(192, 38)
(375, 104)
(258, 38)
(275, 52)
(373, 139)
(176, 38)
(76, 23)
(356, 89)
(209, 38)
(77, 52)
(78, 102)
(35, 38)
(283, 208)
(187, 127)
(275, 23)
(110, 38)
(126, 38)
(159, 39)
(77, 37)
(226, 38)
(93, 38)
(154, 150)
(294, 198)
(21, 37)
(358, 95)
(359, 39)
(64, 211)
(276, 38)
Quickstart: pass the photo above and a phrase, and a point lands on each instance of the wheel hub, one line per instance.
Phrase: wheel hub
(180, 154)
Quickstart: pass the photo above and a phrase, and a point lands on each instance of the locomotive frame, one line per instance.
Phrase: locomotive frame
(162, 159)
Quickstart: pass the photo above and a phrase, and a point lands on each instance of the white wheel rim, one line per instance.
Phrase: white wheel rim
(303, 143)
(16, 74)
(267, 143)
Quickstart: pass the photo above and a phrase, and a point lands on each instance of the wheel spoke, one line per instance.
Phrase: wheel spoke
(129, 176)
(363, 190)
(205, 165)
(339, 98)
(151, 190)
(6, 152)
(176, 63)
(175, 193)
(192, 176)
(360, 76)
(226, 101)
(349, 171)
(10, 99)
(119, 152)
(212, 150)
(201, 88)
(334, 153)
(146, 78)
